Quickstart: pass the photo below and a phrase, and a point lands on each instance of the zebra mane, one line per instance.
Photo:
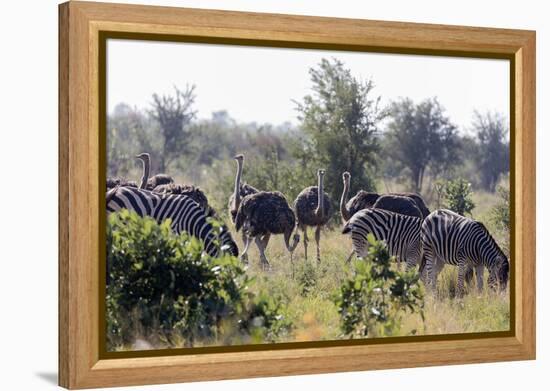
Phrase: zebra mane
(491, 239)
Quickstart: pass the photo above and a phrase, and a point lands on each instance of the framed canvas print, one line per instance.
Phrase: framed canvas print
(247, 195)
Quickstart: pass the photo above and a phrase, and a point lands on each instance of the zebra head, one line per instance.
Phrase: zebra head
(499, 273)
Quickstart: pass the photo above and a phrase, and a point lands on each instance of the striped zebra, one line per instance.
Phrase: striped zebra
(449, 238)
(185, 214)
(400, 232)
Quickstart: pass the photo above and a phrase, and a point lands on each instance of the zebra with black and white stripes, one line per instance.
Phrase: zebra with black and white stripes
(449, 238)
(400, 232)
(185, 214)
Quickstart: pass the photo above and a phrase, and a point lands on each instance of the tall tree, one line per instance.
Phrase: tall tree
(421, 137)
(173, 113)
(494, 148)
(340, 119)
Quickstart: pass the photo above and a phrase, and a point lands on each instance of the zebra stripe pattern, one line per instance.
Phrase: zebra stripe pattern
(400, 232)
(185, 214)
(449, 238)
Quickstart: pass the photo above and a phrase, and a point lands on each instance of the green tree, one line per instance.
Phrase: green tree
(373, 301)
(174, 114)
(340, 120)
(421, 137)
(455, 195)
(494, 148)
(500, 217)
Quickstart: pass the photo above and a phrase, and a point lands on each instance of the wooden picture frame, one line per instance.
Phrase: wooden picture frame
(83, 28)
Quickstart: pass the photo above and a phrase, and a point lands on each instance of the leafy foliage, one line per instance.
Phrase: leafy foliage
(374, 300)
(421, 137)
(340, 120)
(500, 217)
(163, 284)
(174, 114)
(493, 158)
(455, 195)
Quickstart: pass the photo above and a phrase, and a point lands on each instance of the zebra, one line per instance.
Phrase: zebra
(185, 214)
(449, 238)
(400, 232)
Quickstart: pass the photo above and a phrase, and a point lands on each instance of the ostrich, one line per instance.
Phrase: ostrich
(398, 204)
(156, 180)
(162, 183)
(191, 191)
(117, 182)
(362, 200)
(418, 201)
(313, 208)
(241, 190)
(263, 214)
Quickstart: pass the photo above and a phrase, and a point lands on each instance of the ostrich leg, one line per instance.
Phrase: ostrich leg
(263, 259)
(317, 240)
(244, 256)
(247, 240)
(304, 229)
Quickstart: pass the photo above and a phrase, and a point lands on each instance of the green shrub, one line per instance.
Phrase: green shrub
(500, 217)
(163, 287)
(373, 301)
(455, 195)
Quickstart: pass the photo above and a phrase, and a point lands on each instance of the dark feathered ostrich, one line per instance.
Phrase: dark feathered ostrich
(398, 204)
(419, 201)
(240, 190)
(362, 200)
(313, 208)
(116, 182)
(162, 183)
(149, 183)
(263, 214)
(191, 191)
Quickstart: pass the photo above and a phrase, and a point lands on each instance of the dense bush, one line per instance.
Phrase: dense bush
(455, 195)
(500, 217)
(164, 288)
(373, 301)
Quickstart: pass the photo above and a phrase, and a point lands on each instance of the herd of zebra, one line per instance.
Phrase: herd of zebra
(402, 220)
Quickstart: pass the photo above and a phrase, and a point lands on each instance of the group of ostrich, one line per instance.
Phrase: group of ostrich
(402, 220)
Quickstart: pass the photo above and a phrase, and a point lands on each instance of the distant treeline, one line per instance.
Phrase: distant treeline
(342, 127)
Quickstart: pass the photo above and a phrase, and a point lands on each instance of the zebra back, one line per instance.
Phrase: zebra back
(400, 232)
(185, 215)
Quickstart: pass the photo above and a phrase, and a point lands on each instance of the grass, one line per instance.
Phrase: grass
(309, 294)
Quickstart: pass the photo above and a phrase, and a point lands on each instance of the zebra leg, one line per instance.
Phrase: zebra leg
(317, 240)
(479, 277)
(462, 268)
(434, 267)
(350, 256)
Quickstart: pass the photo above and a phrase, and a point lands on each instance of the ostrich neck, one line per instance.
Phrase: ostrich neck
(145, 177)
(343, 201)
(237, 190)
(320, 201)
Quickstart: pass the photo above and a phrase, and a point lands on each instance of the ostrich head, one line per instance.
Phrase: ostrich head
(145, 157)
(239, 158)
(346, 177)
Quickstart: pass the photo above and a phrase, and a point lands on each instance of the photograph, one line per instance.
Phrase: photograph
(264, 195)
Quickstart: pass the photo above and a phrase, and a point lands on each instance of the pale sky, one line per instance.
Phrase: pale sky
(258, 84)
